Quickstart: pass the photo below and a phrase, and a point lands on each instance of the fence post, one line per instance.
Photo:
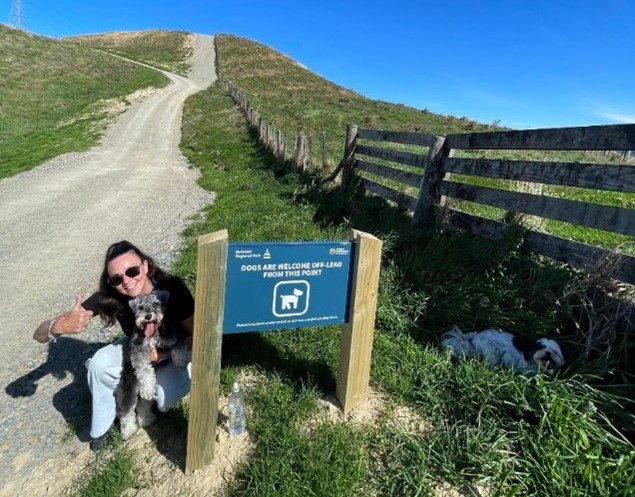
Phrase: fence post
(296, 152)
(278, 152)
(428, 196)
(283, 146)
(308, 147)
(348, 161)
(357, 334)
(323, 146)
(206, 349)
(301, 148)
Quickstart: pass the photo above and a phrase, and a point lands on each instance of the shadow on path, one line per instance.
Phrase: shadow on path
(65, 357)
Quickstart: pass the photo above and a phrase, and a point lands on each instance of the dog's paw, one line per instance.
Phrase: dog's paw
(145, 416)
(128, 426)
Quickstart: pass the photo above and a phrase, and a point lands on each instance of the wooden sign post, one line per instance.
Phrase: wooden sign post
(259, 259)
(206, 349)
(357, 334)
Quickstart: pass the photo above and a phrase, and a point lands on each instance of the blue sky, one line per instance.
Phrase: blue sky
(526, 64)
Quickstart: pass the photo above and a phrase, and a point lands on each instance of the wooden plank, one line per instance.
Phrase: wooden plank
(615, 137)
(402, 199)
(206, 349)
(357, 335)
(410, 179)
(399, 156)
(601, 217)
(570, 252)
(580, 254)
(421, 139)
(619, 178)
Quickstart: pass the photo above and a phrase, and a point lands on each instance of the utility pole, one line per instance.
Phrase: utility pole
(15, 19)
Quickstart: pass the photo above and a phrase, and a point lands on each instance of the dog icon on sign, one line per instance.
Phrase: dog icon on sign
(291, 298)
(291, 301)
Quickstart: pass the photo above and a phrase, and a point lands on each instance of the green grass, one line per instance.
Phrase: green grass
(57, 97)
(114, 472)
(288, 459)
(264, 189)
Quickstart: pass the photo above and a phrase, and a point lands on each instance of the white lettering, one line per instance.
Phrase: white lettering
(272, 274)
(250, 267)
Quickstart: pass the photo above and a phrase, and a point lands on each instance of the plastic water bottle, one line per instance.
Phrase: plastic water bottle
(236, 411)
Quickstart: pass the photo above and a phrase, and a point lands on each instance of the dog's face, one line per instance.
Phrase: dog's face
(148, 311)
(548, 356)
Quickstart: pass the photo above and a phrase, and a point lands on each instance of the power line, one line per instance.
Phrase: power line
(57, 18)
(15, 19)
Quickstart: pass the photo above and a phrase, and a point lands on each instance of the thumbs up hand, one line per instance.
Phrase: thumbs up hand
(74, 320)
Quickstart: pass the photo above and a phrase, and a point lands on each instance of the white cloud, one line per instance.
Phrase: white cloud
(618, 118)
(611, 113)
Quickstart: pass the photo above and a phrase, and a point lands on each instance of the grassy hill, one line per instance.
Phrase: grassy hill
(443, 427)
(295, 99)
(57, 97)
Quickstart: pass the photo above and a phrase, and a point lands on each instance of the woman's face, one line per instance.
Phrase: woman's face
(128, 274)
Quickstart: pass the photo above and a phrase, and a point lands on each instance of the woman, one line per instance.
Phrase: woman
(127, 272)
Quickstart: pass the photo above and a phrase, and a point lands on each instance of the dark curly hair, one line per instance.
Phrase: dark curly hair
(111, 302)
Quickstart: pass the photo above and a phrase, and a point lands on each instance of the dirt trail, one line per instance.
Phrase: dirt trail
(55, 223)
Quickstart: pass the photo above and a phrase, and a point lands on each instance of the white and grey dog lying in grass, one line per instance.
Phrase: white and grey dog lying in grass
(136, 389)
(504, 349)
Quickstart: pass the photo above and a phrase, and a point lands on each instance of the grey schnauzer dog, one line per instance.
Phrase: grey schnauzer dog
(135, 393)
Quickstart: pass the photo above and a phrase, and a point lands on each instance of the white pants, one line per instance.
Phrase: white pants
(104, 371)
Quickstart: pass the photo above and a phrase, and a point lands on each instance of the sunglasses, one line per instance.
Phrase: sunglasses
(131, 272)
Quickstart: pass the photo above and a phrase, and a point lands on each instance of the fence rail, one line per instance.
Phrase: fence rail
(434, 187)
(617, 137)
(614, 178)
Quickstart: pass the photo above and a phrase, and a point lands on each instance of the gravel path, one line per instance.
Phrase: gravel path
(56, 222)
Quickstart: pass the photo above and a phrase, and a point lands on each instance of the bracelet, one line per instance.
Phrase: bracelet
(52, 338)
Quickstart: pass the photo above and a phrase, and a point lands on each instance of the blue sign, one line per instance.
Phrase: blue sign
(278, 285)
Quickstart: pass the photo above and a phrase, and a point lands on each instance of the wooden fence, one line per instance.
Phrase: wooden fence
(297, 151)
(433, 185)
